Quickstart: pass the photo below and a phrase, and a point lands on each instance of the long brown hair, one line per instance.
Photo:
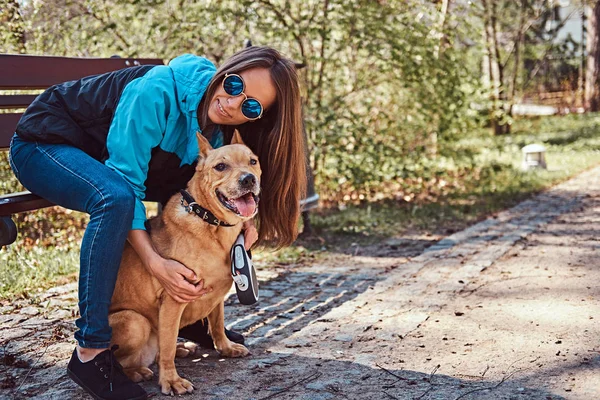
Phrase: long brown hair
(276, 138)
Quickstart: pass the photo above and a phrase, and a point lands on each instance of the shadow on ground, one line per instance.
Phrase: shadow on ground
(284, 376)
(291, 301)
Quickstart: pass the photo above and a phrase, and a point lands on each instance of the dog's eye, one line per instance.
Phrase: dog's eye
(221, 167)
(253, 161)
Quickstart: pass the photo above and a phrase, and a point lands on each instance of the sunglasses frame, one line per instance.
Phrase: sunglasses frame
(246, 98)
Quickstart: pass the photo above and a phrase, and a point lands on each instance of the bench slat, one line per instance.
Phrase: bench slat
(40, 72)
(20, 202)
(8, 123)
(16, 100)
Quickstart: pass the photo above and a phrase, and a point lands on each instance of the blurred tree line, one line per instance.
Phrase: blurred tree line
(388, 84)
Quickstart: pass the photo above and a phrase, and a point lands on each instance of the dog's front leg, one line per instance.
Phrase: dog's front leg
(216, 323)
(169, 316)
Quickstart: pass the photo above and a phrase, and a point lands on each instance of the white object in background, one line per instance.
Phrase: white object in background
(534, 156)
(533, 109)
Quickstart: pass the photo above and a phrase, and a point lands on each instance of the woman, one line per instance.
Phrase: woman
(104, 143)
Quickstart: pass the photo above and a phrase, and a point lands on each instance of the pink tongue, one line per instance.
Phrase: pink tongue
(246, 205)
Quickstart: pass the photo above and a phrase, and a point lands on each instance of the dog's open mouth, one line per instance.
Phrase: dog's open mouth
(244, 205)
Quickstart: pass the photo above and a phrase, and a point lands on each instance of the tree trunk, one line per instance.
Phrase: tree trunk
(582, 61)
(443, 43)
(498, 91)
(592, 100)
(518, 46)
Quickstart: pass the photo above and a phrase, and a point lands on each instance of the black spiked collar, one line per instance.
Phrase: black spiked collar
(190, 205)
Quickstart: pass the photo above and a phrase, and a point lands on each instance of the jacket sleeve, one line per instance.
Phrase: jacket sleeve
(137, 127)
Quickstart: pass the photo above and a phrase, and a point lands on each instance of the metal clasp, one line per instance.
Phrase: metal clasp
(187, 207)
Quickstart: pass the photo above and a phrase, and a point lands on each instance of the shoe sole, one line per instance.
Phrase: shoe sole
(80, 383)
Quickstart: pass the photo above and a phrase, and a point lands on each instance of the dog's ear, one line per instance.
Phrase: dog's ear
(237, 138)
(203, 145)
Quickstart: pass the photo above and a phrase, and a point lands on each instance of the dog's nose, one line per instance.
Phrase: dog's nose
(247, 181)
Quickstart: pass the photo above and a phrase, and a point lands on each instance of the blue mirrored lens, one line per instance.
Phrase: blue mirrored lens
(251, 108)
(233, 85)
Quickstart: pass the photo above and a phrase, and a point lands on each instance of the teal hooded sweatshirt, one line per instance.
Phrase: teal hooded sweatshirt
(152, 140)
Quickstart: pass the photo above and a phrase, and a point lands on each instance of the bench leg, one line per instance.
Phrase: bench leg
(8, 231)
(307, 230)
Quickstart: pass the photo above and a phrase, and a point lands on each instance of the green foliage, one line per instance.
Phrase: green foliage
(480, 174)
(377, 88)
(12, 36)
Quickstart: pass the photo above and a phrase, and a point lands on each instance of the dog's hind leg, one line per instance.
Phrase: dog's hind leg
(138, 345)
(216, 325)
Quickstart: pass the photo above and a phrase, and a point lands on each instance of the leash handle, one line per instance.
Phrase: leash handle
(243, 273)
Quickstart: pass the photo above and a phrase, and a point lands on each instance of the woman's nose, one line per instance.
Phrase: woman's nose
(235, 102)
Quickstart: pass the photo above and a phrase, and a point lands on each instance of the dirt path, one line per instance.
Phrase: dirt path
(506, 309)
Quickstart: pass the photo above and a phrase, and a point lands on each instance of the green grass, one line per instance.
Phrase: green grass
(30, 270)
(471, 179)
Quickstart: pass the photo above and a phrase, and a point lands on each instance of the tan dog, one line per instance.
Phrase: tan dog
(144, 318)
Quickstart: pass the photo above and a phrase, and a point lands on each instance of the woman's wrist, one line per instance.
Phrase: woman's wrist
(151, 262)
(141, 243)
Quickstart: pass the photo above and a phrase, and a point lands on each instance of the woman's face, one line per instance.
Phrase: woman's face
(226, 110)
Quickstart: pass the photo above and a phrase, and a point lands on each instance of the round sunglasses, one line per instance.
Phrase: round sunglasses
(234, 85)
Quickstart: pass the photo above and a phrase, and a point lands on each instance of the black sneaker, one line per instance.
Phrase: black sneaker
(198, 333)
(103, 377)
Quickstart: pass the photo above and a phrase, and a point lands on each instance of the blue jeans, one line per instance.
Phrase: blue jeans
(69, 177)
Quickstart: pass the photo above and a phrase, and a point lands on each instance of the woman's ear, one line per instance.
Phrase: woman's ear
(203, 145)
(237, 138)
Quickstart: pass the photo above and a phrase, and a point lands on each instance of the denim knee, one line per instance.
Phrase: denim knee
(11, 156)
(16, 146)
(116, 197)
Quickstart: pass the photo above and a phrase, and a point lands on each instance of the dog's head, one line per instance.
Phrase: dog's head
(227, 179)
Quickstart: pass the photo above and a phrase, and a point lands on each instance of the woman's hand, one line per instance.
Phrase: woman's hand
(177, 280)
(250, 234)
(175, 277)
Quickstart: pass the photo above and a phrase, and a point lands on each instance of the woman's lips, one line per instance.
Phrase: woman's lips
(222, 110)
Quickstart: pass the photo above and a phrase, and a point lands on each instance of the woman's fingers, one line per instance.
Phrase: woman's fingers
(178, 299)
(182, 298)
(187, 273)
(250, 236)
(191, 292)
(181, 283)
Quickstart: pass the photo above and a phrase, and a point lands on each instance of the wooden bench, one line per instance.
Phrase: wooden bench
(25, 73)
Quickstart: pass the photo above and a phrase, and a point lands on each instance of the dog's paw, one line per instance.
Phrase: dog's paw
(181, 352)
(139, 374)
(176, 386)
(234, 350)
(185, 349)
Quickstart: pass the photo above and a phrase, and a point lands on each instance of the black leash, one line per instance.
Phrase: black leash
(193, 207)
